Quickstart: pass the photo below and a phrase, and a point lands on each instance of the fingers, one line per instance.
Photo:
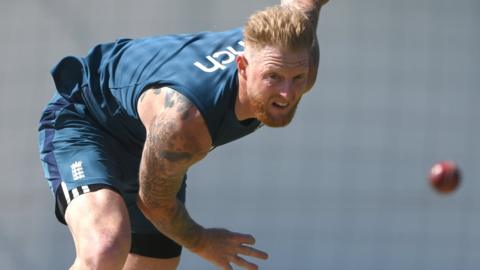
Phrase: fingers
(225, 247)
(245, 238)
(252, 252)
(244, 263)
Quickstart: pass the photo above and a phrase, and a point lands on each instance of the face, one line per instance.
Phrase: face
(275, 82)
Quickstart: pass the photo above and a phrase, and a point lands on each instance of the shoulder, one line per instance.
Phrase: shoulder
(168, 114)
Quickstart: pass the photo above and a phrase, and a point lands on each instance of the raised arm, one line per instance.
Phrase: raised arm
(177, 137)
(312, 9)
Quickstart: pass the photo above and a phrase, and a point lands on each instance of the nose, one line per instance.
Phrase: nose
(288, 90)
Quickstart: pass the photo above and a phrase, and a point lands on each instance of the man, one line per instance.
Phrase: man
(130, 118)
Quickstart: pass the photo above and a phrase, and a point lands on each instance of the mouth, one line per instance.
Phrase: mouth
(280, 105)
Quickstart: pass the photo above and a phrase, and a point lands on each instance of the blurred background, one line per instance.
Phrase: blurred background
(343, 187)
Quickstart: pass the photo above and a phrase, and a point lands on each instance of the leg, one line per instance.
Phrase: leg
(137, 262)
(100, 227)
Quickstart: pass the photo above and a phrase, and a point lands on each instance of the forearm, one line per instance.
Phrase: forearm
(161, 177)
(174, 221)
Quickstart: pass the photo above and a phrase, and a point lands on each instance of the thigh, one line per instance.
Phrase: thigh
(99, 217)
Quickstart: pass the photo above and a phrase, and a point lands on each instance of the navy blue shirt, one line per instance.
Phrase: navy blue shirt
(201, 66)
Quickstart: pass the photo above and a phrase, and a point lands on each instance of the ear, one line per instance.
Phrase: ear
(242, 64)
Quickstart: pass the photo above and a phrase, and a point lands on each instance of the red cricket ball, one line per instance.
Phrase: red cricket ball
(445, 177)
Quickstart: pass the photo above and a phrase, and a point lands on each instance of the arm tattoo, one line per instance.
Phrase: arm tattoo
(175, 156)
(169, 151)
(163, 165)
(169, 99)
(157, 91)
(173, 98)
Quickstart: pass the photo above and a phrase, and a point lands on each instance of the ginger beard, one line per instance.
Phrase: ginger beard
(269, 114)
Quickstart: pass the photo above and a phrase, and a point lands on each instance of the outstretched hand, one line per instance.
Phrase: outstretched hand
(222, 248)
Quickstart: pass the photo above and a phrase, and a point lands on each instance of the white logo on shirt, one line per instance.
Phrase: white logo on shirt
(215, 59)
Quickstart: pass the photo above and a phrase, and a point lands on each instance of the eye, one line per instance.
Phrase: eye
(299, 77)
(273, 76)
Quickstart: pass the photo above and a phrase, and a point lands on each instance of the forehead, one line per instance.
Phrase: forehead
(273, 57)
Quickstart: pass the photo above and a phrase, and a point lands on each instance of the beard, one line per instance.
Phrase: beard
(270, 116)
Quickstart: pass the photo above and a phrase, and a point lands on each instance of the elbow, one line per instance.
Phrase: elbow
(157, 211)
